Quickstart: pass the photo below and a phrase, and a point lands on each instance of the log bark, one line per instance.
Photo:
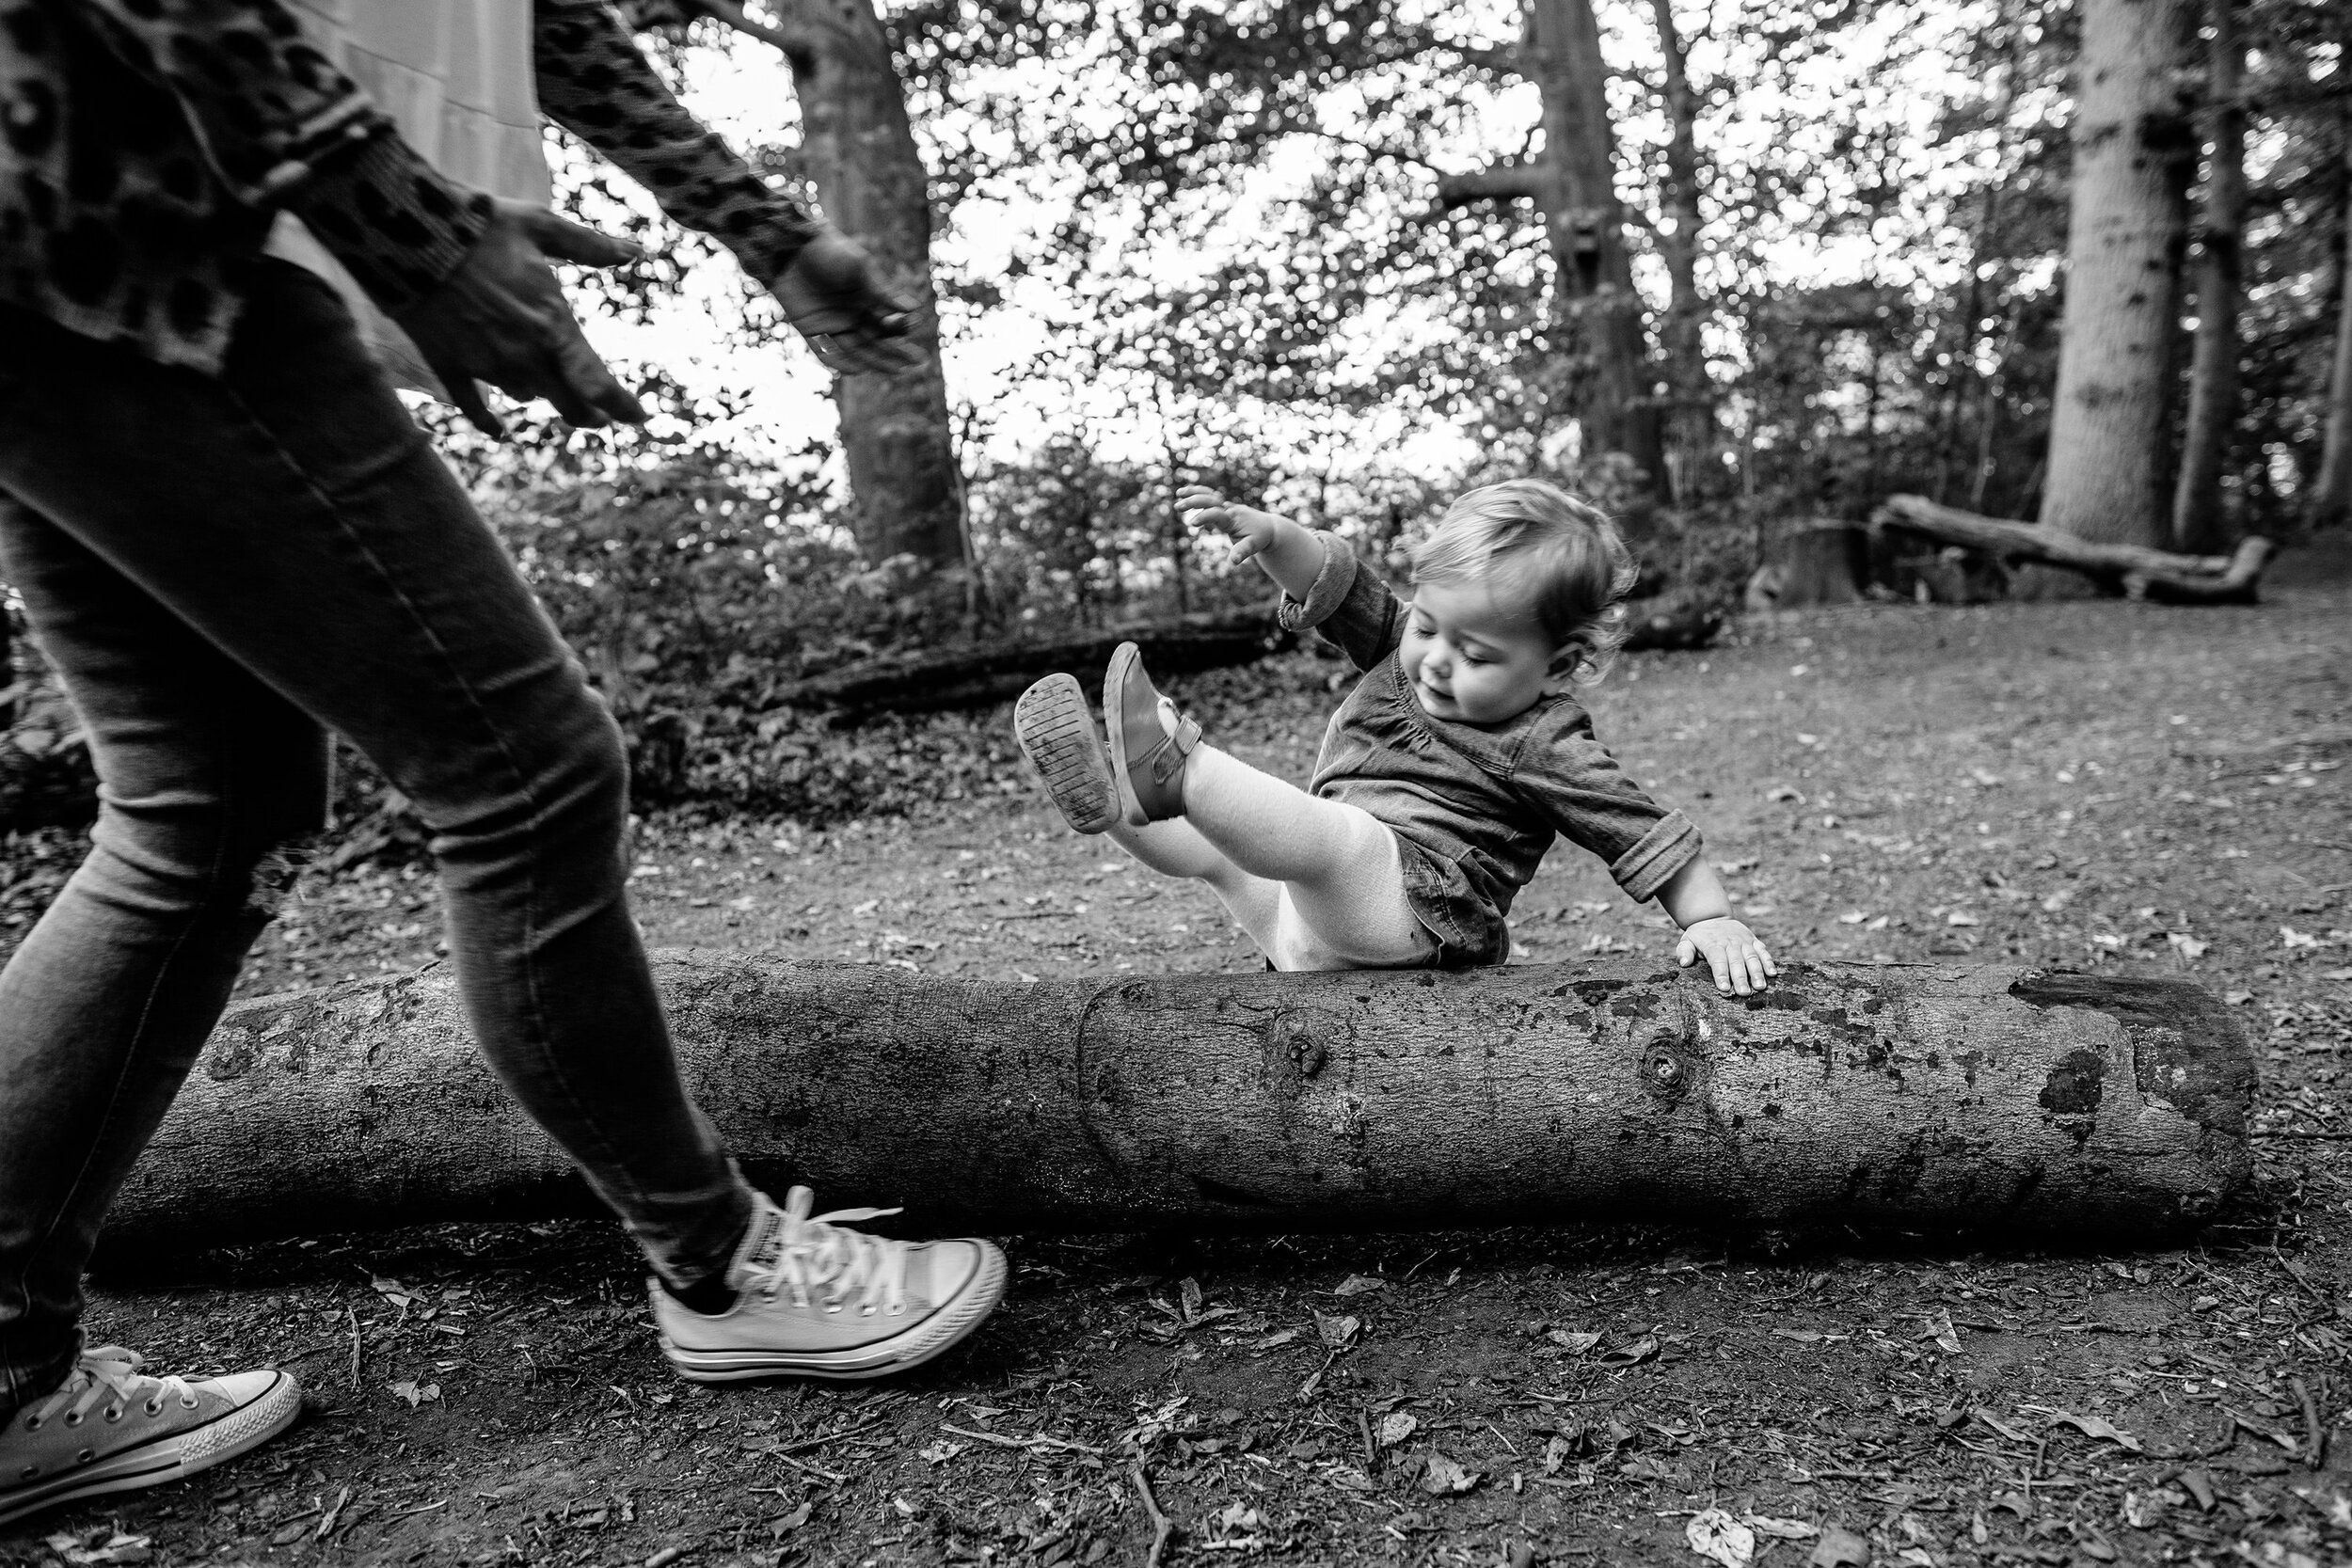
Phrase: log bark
(2127, 233)
(2133, 570)
(2199, 524)
(2009, 1099)
(1820, 563)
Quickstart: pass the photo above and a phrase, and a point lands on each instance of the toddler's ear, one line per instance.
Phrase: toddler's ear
(1568, 661)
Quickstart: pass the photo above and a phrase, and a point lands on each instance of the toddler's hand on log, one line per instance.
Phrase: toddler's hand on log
(1739, 964)
(1254, 531)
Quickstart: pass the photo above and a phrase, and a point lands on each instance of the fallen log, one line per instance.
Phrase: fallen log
(2132, 570)
(2010, 1100)
(973, 675)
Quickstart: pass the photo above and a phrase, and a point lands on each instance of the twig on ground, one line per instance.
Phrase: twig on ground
(326, 1524)
(353, 1314)
(807, 1443)
(2315, 1435)
(2295, 1273)
(1161, 1527)
(2313, 1137)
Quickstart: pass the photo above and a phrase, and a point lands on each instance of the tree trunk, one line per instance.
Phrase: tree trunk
(2331, 489)
(859, 149)
(1692, 447)
(2127, 231)
(2134, 570)
(2018, 1099)
(1586, 224)
(2199, 527)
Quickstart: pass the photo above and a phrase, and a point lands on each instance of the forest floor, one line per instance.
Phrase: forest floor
(2113, 786)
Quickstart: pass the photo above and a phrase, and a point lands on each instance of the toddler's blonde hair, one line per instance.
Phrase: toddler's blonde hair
(1565, 555)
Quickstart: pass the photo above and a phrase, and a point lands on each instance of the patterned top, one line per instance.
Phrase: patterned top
(1475, 807)
(146, 145)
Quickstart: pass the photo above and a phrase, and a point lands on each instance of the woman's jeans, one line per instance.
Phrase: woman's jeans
(221, 569)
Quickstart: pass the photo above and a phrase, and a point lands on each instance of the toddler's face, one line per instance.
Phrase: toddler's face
(1475, 658)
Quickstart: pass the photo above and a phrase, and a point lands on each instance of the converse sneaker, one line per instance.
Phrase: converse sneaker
(111, 1428)
(1059, 737)
(814, 1299)
(1150, 740)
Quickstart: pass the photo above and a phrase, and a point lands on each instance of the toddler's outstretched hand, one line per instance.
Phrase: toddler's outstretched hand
(1253, 531)
(1739, 963)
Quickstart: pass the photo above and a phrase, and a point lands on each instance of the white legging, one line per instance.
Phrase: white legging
(1317, 883)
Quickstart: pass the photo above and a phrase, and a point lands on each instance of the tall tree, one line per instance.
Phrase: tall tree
(2330, 502)
(858, 146)
(1681, 334)
(2199, 527)
(2127, 233)
(1574, 184)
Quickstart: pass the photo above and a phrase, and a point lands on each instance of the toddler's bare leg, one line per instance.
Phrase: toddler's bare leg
(1342, 875)
(1175, 849)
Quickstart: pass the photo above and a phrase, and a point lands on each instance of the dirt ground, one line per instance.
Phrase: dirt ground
(2112, 786)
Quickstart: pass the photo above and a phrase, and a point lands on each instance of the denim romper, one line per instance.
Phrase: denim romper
(1474, 807)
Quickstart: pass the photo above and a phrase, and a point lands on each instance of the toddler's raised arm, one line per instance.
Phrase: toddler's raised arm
(1323, 585)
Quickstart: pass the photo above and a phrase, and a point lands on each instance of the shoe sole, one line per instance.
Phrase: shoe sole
(1059, 738)
(167, 1459)
(1124, 660)
(926, 1341)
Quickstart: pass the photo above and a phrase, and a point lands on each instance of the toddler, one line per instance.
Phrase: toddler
(1444, 775)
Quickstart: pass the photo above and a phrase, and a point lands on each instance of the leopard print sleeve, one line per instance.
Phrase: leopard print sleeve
(594, 82)
(282, 127)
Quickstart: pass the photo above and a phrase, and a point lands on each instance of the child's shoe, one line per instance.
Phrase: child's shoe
(1058, 735)
(814, 1299)
(1150, 740)
(112, 1428)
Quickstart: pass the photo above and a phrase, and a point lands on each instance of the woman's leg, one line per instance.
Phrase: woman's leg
(291, 516)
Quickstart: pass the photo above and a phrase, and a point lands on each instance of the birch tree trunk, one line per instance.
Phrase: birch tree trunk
(2199, 527)
(1692, 444)
(2331, 489)
(1587, 229)
(859, 148)
(2024, 1101)
(2127, 231)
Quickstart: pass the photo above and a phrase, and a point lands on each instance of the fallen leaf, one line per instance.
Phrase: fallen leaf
(2000, 1426)
(103, 1546)
(2142, 1509)
(1572, 1341)
(414, 1392)
(1810, 1337)
(941, 1452)
(792, 1521)
(1939, 1329)
(1188, 1296)
(1441, 1477)
(2291, 938)
(1396, 1425)
(1556, 1453)
(1961, 917)
(1336, 1332)
(1720, 1538)
(1358, 1285)
(2187, 946)
(1273, 1341)
(1784, 1529)
(1840, 1549)
(1631, 1355)
(2089, 1426)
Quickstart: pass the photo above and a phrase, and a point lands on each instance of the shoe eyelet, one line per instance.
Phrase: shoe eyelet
(899, 1311)
(187, 1402)
(30, 1471)
(74, 1418)
(155, 1405)
(114, 1414)
(86, 1456)
(832, 1307)
(33, 1423)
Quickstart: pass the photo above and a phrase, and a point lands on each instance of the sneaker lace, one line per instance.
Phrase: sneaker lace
(110, 1376)
(811, 1255)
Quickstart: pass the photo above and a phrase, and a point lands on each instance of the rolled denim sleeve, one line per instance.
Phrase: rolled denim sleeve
(1350, 606)
(1573, 782)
